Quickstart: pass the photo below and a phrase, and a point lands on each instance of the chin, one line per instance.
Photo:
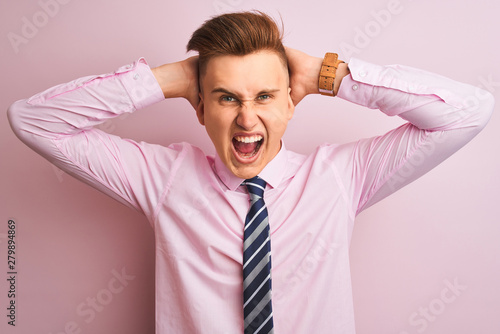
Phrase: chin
(246, 172)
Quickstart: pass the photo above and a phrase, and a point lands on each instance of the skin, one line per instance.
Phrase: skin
(245, 96)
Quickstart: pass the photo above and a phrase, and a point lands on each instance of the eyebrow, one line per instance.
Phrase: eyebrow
(225, 91)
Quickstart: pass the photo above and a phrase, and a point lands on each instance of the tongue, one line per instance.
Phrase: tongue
(245, 147)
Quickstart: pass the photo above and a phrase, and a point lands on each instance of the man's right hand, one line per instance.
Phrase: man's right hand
(179, 79)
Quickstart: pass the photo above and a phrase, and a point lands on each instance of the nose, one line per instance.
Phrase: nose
(247, 117)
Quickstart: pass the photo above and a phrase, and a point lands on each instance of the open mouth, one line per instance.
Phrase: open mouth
(247, 147)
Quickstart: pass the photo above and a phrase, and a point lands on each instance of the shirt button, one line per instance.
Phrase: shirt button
(355, 87)
(136, 76)
(362, 74)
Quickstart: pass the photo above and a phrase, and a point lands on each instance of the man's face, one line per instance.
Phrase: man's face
(245, 107)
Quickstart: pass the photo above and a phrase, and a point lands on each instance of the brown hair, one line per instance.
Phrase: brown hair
(237, 34)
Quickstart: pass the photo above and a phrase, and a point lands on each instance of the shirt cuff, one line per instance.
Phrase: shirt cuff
(355, 91)
(140, 84)
(407, 79)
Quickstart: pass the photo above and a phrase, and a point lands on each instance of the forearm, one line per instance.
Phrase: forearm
(429, 101)
(69, 108)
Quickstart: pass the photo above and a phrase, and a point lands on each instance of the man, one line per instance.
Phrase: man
(244, 86)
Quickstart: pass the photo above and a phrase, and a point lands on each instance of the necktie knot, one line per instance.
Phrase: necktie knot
(255, 186)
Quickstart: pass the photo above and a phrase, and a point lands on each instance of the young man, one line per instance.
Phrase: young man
(214, 261)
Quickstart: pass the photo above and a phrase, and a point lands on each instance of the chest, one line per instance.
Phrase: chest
(204, 224)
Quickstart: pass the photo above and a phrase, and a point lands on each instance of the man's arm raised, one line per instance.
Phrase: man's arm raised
(60, 124)
(442, 114)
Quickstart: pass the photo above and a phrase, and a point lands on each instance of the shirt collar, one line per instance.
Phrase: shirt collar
(273, 173)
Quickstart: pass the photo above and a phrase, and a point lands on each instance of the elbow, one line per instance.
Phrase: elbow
(483, 105)
(475, 110)
(15, 117)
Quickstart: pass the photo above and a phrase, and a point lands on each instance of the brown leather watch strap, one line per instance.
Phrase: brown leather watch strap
(327, 74)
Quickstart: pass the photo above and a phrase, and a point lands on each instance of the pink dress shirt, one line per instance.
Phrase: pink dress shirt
(197, 207)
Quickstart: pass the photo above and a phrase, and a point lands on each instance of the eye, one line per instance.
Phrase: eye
(264, 97)
(227, 98)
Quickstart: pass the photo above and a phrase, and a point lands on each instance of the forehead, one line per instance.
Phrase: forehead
(254, 70)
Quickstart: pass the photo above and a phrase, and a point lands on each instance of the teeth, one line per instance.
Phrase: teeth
(245, 139)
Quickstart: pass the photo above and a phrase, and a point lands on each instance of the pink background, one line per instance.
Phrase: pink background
(441, 230)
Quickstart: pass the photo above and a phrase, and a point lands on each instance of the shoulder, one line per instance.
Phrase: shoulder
(169, 158)
(185, 152)
(191, 157)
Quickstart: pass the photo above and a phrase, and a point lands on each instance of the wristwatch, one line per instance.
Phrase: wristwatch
(327, 74)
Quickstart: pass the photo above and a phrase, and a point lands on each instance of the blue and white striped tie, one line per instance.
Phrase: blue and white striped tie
(257, 308)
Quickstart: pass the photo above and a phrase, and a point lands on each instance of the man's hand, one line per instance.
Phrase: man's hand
(179, 79)
(304, 74)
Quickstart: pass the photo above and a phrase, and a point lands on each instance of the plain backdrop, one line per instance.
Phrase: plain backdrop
(425, 260)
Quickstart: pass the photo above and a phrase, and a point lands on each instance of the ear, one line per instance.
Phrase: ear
(200, 110)
(291, 105)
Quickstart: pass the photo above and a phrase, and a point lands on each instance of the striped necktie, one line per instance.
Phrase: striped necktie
(257, 308)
